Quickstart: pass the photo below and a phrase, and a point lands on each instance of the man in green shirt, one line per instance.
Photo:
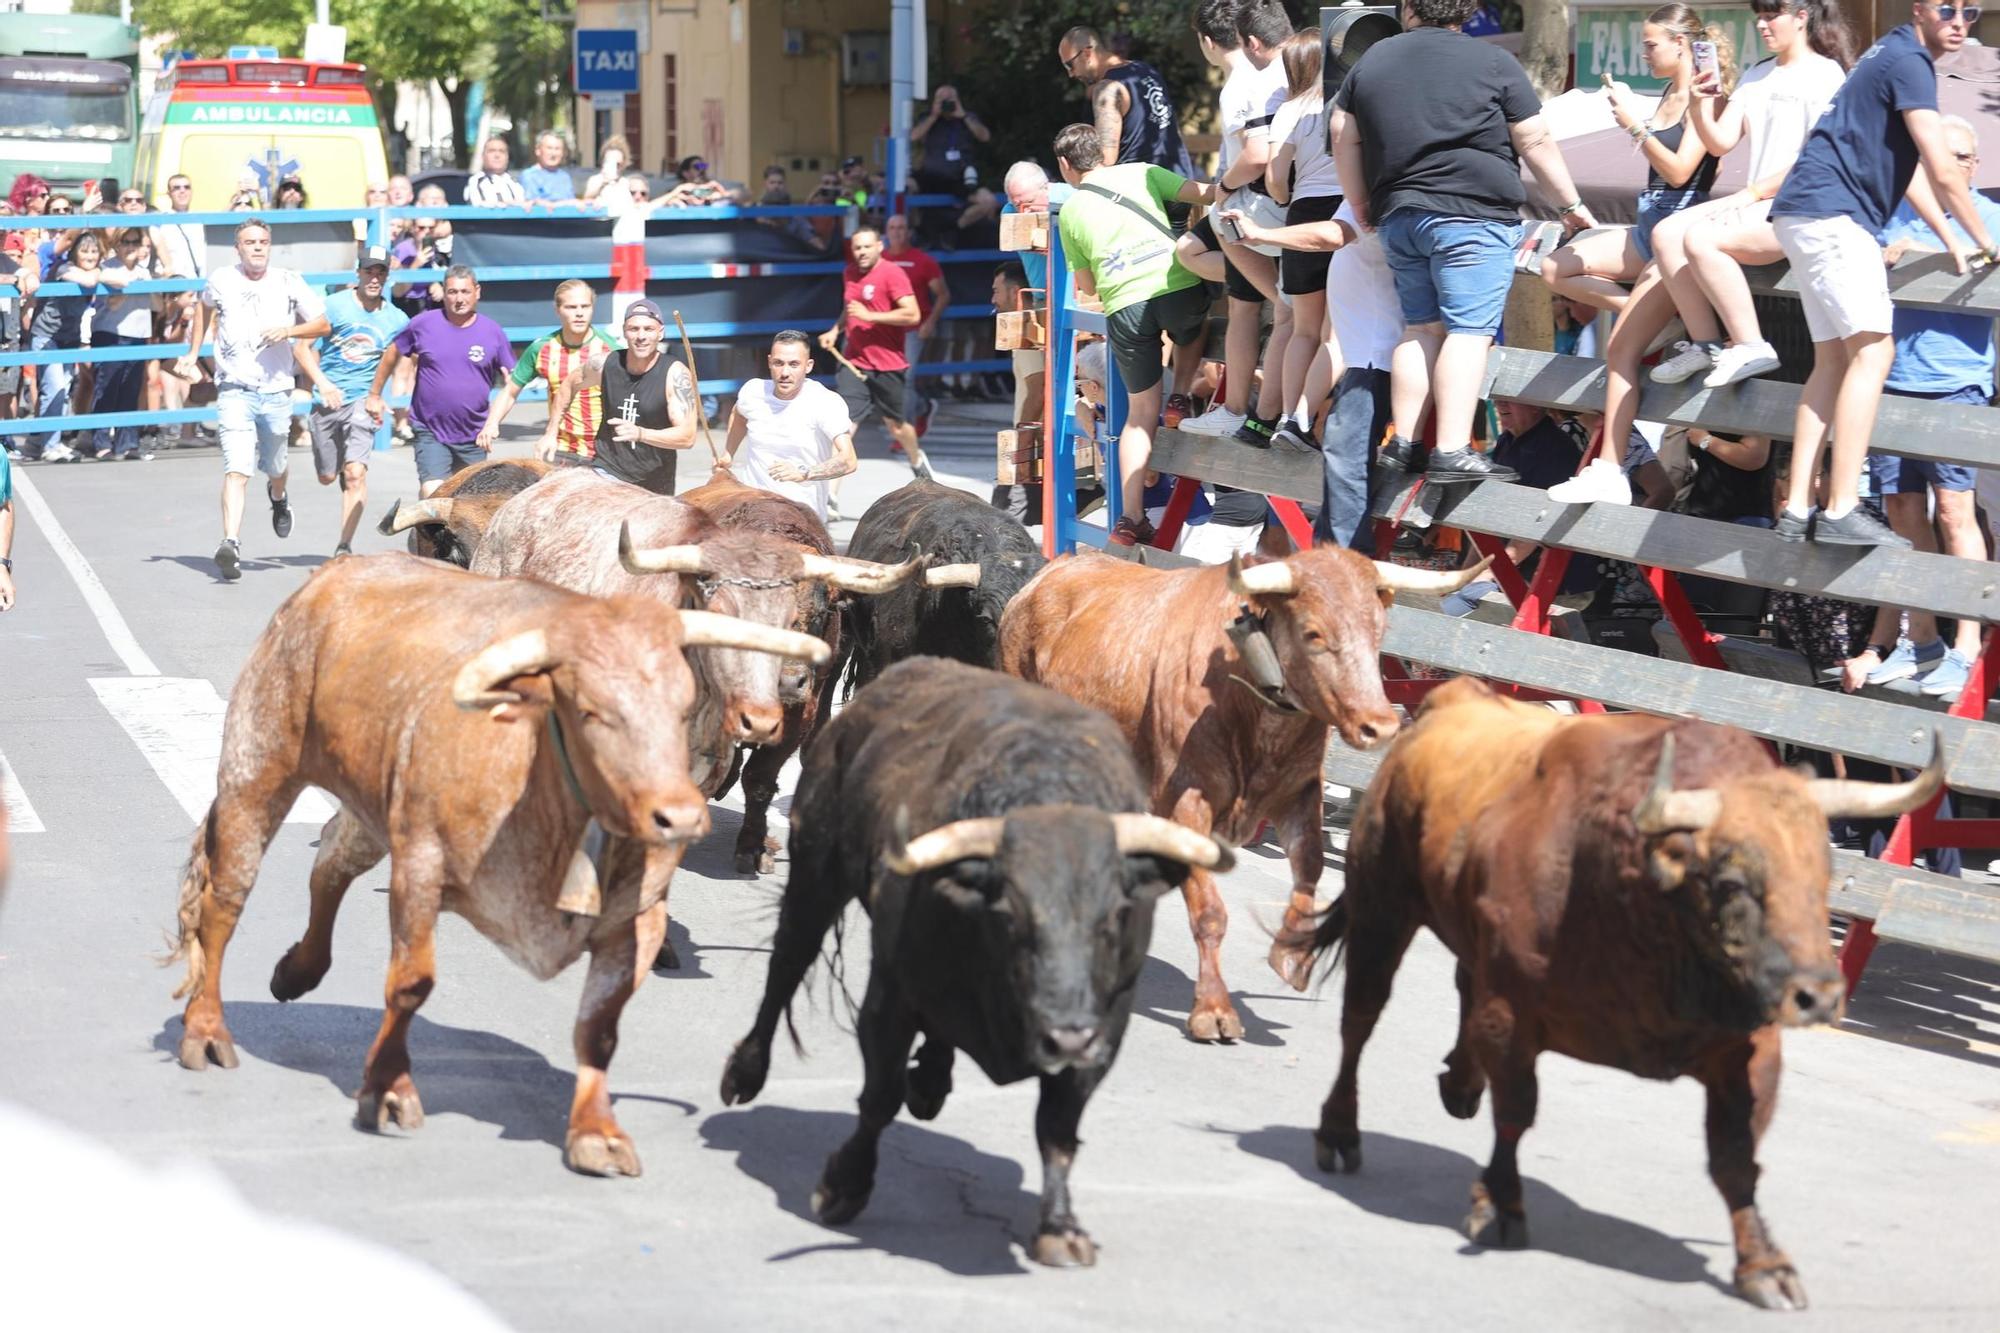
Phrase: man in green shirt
(1118, 243)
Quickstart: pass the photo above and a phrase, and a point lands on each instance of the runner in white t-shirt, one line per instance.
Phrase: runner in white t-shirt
(790, 434)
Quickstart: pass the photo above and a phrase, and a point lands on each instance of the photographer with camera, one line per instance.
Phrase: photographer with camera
(948, 135)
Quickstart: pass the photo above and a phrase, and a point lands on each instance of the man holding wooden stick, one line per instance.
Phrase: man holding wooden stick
(879, 306)
(650, 405)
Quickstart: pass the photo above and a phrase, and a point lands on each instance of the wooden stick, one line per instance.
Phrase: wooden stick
(858, 371)
(687, 351)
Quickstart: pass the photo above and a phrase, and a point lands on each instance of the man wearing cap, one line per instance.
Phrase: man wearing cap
(649, 406)
(340, 352)
(853, 183)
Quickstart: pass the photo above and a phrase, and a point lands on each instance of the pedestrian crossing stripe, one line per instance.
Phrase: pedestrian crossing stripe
(21, 816)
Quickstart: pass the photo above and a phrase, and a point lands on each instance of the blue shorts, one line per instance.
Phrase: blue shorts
(253, 428)
(437, 459)
(1655, 207)
(1893, 474)
(1458, 270)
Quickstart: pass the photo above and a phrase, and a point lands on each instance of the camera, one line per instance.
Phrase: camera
(949, 106)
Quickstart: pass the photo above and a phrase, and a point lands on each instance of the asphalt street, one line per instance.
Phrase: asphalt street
(1196, 1177)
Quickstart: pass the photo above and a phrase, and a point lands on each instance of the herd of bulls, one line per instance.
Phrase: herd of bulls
(1032, 754)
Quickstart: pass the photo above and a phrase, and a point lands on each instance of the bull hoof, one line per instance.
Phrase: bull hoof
(667, 960)
(1487, 1225)
(378, 1108)
(602, 1155)
(1772, 1286)
(1293, 966)
(1459, 1103)
(743, 1073)
(1218, 1023)
(292, 978)
(924, 1093)
(1064, 1249)
(749, 863)
(837, 1207)
(1332, 1155)
(199, 1048)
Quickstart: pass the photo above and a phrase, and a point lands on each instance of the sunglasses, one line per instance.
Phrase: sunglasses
(1072, 60)
(131, 198)
(1966, 157)
(180, 187)
(1970, 13)
(697, 166)
(61, 206)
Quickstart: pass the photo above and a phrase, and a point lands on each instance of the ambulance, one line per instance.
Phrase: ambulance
(249, 123)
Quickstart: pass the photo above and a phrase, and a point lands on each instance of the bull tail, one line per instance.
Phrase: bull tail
(1328, 941)
(194, 889)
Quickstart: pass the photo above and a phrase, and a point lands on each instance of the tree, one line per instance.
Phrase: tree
(1545, 45)
(528, 74)
(436, 42)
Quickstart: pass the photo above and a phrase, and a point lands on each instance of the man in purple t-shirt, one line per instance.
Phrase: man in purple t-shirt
(461, 356)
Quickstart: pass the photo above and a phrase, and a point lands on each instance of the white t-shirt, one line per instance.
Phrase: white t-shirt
(801, 431)
(1361, 300)
(1301, 122)
(182, 249)
(1780, 106)
(1250, 97)
(243, 310)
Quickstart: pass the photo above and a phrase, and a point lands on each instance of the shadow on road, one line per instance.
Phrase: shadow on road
(1165, 992)
(205, 564)
(457, 1070)
(1425, 1184)
(1931, 1002)
(937, 1199)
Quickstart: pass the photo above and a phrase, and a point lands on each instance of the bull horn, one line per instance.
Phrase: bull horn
(942, 846)
(477, 682)
(1401, 578)
(1844, 797)
(1275, 579)
(863, 576)
(1664, 810)
(1150, 835)
(952, 576)
(709, 629)
(657, 559)
(401, 518)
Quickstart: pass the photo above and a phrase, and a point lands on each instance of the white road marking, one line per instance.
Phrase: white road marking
(177, 725)
(21, 816)
(95, 595)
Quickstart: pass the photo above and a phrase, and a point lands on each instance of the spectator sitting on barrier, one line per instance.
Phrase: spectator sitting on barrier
(574, 412)
(1857, 163)
(612, 156)
(548, 181)
(493, 186)
(291, 193)
(1543, 451)
(123, 321)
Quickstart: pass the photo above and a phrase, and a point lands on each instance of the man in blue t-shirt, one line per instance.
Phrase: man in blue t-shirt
(340, 352)
(1858, 161)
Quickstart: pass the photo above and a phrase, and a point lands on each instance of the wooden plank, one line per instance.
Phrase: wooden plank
(1867, 728)
(1919, 281)
(1951, 432)
(1749, 657)
(1288, 474)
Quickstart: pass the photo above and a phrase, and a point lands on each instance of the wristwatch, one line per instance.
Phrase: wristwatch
(6, 564)
(1571, 207)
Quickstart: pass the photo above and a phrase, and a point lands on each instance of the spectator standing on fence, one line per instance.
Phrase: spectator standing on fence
(255, 304)
(574, 413)
(1302, 177)
(1439, 176)
(1943, 358)
(1120, 248)
(878, 308)
(460, 356)
(649, 406)
(548, 181)
(933, 295)
(788, 433)
(1130, 105)
(1858, 161)
(1543, 451)
(1253, 88)
(493, 186)
(340, 352)
(123, 321)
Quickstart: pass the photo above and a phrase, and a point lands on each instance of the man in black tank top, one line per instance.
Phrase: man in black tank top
(649, 406)
(1129, 103)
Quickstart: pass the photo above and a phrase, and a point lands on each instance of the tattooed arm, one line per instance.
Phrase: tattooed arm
(682, 411)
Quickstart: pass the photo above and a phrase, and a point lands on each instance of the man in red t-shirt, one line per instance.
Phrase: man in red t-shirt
(926, 280)
(879, 309)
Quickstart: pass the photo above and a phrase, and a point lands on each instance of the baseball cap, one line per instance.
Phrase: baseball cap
(646, 308)
(853, 161)
(375, 256)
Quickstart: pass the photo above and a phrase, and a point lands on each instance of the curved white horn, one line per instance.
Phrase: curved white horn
(863, 576)
(405, 517)
(942, 846)
(1665, 810)
(1154, 836)
(657, 559)
(1845, 797)
(1401, 578)
(476, 684)
(708, 629)
(1273, 579)
(952, 576)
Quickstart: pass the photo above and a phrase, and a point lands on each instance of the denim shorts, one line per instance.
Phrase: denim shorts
(438, 459)
(253, 429)
(1895, 475)
(1655, 207)
(1454, 269)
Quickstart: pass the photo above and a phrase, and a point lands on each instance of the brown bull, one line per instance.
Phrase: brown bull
(816, 611)
(1222, 753)
(1629, 891)
(449, 523)
(471, 728)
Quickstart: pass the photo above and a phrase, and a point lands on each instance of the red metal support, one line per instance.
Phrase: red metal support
(1294, 520)
(1182, 500)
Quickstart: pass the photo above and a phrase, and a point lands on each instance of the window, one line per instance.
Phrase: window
(673, 96)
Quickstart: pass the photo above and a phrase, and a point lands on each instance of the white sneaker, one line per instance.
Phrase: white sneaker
(1689, 359)
(60, 453)
(1601, 482)
(1741, 362)
(1675, 332)
(1218, 420)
